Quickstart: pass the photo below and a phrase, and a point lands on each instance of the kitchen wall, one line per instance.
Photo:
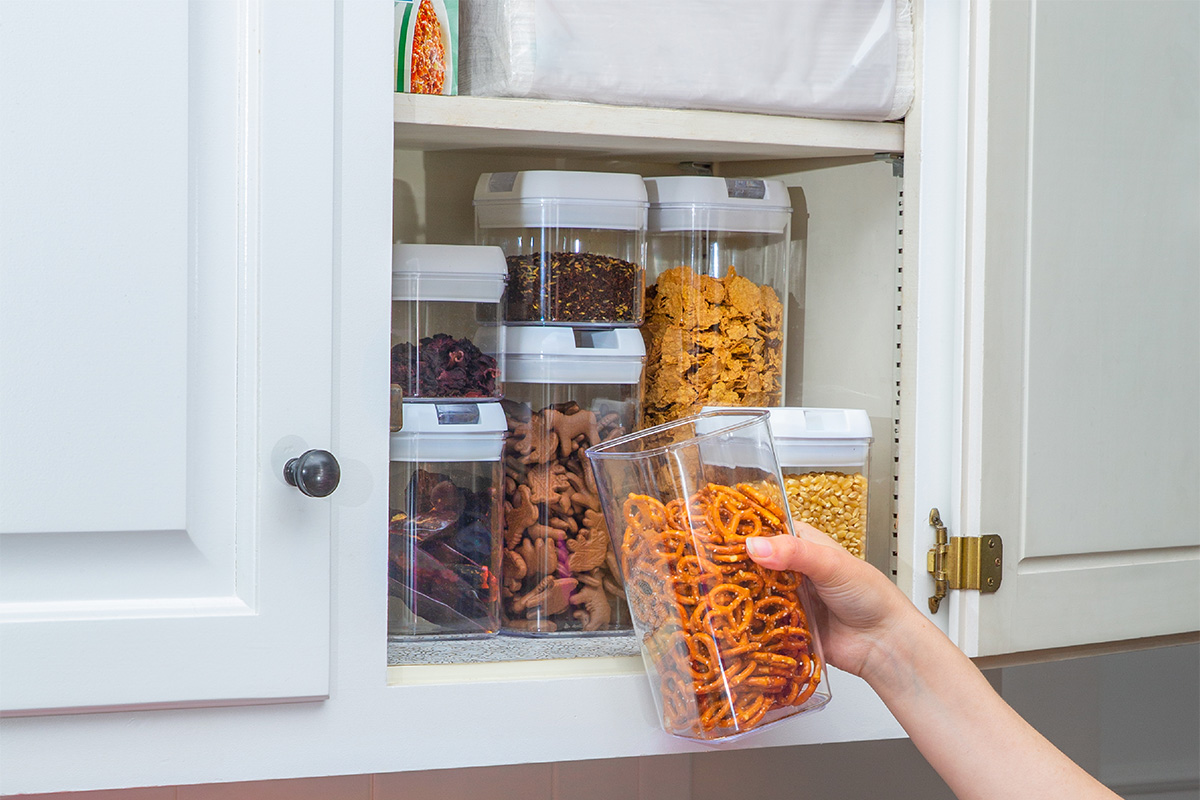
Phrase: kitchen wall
(1131, 719)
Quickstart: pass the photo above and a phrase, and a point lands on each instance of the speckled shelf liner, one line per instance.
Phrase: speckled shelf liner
(510, 648)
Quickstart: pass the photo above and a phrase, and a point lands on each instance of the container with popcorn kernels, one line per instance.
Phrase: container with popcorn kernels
(824, 455)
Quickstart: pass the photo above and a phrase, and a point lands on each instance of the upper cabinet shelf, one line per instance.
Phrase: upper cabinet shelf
(437, 123)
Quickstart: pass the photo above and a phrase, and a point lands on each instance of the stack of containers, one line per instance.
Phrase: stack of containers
(823, 454)
(717, 269)
(447, 442)
(574, 244)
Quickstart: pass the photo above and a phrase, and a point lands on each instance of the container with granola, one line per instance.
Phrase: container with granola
(445, 521)
(823, 454)
(569, 389)
(446, 300)
(574, 242)
(717, 281)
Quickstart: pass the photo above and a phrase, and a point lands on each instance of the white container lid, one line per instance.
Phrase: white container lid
(559, 354)
(448, 272)
(706, 202)
(820, 437)
(561, 199)
(450, 431)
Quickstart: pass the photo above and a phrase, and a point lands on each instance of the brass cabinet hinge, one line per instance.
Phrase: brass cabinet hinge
(963, 562)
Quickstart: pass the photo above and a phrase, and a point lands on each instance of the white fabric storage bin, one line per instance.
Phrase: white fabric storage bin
(839, 59)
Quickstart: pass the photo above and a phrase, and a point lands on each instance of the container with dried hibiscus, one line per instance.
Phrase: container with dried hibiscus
(445, 298)
(574, 242)
(568, 389)
(717, 273)
(446, 516)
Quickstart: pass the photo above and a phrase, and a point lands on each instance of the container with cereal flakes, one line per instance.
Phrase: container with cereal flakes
(568, 389)
(730, 647)
(574, 243)
(717, 282)
(446, 300)
(445, 522)
(824, 453)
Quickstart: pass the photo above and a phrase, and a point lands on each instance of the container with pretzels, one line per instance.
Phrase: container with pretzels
(729, 646)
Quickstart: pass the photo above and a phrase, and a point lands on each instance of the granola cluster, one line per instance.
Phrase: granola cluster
(710, 342)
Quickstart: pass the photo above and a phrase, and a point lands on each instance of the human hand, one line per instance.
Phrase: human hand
(971, 737)
(860, 612)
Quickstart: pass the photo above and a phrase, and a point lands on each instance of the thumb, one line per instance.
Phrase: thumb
(823, 565)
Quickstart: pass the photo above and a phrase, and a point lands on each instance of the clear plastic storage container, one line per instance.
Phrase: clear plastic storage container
(444, 540)
(444, 298)
(574, 241)
(729, 646)
(717, 283)
(568, 389)
(824, 453)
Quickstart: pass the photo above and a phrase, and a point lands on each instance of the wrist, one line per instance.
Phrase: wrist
(900, 652)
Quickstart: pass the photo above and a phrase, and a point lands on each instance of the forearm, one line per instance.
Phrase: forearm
(963, 728)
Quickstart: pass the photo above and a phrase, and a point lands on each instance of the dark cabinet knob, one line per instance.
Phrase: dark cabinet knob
(315, 473)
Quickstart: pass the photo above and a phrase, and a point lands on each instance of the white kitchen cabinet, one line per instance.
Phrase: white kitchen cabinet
(278, 305)
(168, 251)
(1080, 408)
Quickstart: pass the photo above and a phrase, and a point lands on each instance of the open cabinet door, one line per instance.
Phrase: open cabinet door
(166, 271)
(1081, 412)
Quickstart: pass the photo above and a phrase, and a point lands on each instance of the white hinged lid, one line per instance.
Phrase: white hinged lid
(561, 199)
(560, 354)
(450, 431)
(710, 203)
(448, 272)
(820, 437)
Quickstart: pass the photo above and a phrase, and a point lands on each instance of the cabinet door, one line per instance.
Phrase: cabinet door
(1082, 433)
(165, 338)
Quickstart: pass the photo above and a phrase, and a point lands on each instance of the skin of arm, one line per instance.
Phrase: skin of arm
(979, 746)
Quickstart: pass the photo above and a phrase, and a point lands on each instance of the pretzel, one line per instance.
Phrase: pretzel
(729, 640)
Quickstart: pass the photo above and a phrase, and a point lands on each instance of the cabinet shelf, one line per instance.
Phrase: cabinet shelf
(436, 123)
(504, 649)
